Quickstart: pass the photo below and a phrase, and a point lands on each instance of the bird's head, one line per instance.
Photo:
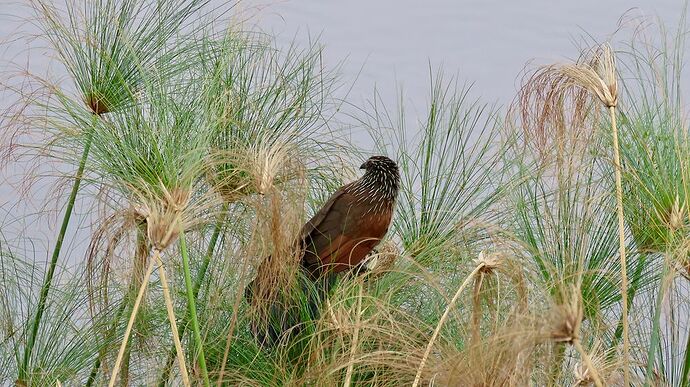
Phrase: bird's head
(382, 172)
(380, 183)
(380, 164)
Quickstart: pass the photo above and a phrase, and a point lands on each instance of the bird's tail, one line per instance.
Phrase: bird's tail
(283, 312)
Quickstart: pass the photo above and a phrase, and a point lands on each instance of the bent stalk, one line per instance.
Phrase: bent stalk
(45, 288)
(442, 321)
(132, 317)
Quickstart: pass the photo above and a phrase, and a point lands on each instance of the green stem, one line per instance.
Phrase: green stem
(654, 340)
(191, 306)
(43, 297)
(200, 275)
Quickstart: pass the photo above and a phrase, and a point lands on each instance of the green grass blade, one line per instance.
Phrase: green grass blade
(201, 274)
(47, 283)
(191, 307)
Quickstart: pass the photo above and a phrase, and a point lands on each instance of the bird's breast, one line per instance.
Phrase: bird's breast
(371, 224)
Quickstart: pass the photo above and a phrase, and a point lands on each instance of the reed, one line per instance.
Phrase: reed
(513, 258)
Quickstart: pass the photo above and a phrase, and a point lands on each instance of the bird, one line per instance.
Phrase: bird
(336, 239)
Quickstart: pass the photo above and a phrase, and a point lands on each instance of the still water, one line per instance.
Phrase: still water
(488, 42)
(387, 44)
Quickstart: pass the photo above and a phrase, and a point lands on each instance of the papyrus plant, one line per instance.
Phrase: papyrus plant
(596, 75)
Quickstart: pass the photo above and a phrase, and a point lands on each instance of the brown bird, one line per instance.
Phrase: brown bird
(340, 235)
(352, 222)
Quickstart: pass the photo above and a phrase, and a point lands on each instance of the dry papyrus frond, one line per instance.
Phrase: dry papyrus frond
(163, 218)
(255, 169)
(567, 317)
(598, 75)
(604, 364)
(554, 105)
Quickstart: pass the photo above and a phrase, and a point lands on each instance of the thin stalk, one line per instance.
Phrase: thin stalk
(446, 313)
(686, 364)
(654, 339)
(588, 363)
(173, 325)
(45, 288)
(191, 307)
(621, 245)
(132, 317)
(200, 275)
(141, 255)
(634, 284)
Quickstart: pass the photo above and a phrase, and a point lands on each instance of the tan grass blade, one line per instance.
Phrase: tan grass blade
(429, 346)
(355, 339)
(173, 323)
(132, 317)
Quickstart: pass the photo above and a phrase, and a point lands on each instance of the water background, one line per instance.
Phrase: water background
(389, 45)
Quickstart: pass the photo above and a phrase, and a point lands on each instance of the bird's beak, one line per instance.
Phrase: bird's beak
(363, 166)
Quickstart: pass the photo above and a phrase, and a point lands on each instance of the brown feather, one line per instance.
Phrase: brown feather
(337, 238)
(316, 220)
(345, 233)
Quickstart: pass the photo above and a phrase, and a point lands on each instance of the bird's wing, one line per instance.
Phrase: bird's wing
(328, 230)
(320, 216)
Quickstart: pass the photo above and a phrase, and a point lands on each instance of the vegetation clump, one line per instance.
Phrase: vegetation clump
(542, 244)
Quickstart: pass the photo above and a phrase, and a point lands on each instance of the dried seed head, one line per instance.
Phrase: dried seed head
(163, 228)
(246, 170)
(605, 366)
(583, 374)
(383, 258)
(489, 261)
(97, 104)
(164, 216)
(567, 319)
(268, 163)
(598, 76)
(677, 218)
(229, 181)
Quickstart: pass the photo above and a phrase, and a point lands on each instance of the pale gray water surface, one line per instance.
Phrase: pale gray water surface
(487, 42)
(384, 43)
